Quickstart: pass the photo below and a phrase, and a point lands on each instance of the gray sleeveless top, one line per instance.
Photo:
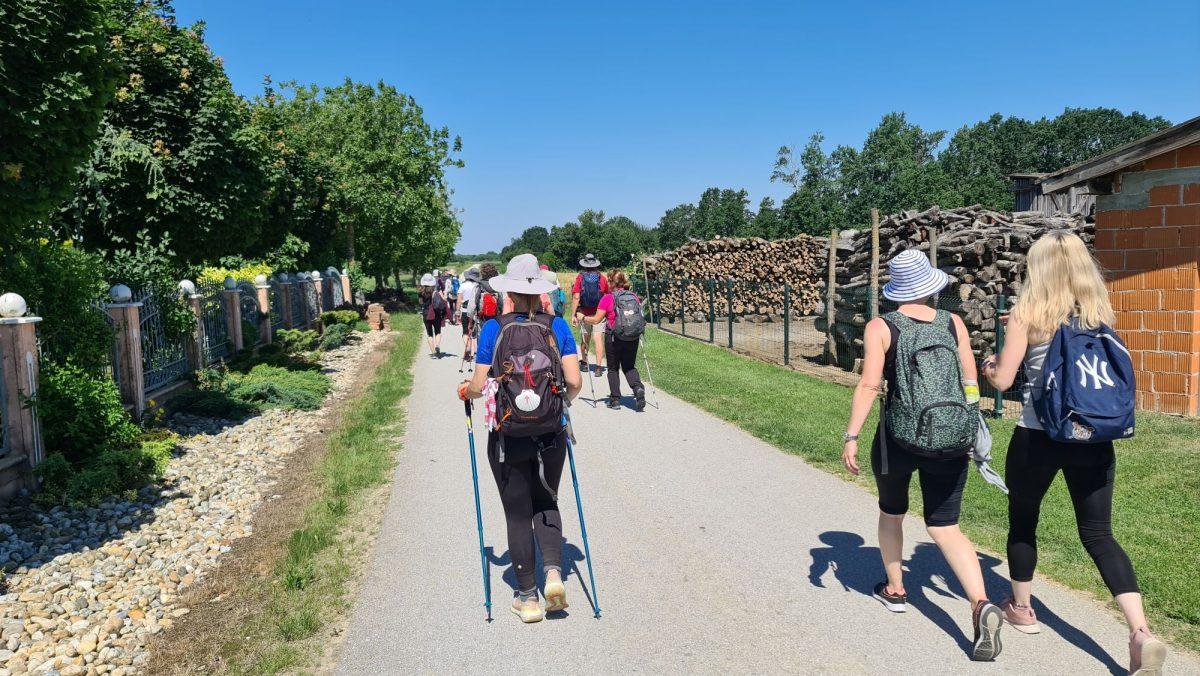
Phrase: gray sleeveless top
(1035, 356)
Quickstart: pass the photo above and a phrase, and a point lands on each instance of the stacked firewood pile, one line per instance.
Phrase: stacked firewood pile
(982, 250)
(758, 268)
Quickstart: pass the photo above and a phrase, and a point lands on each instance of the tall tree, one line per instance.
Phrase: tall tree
(721, 213)
(58, 70)
(818, 203)
(676, 226)
(176, 155)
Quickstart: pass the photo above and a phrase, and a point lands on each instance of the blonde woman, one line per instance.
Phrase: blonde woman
(1062, 282)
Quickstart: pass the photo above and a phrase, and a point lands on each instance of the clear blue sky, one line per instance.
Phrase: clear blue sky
(634, 107)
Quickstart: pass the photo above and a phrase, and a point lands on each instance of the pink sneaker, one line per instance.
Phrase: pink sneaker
(1022, 618)
(1146, 654)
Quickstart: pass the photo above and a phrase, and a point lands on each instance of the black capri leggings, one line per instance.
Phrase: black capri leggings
(1033, 461)
(621, 356)
(942, 483)
(433, 327)
(529, 509)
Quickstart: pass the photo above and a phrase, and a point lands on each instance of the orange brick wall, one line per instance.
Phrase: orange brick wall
(1151, 255)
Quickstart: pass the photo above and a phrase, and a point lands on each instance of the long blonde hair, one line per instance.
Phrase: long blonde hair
(1062, 279)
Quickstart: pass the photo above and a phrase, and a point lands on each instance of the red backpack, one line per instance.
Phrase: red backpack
(489, 304)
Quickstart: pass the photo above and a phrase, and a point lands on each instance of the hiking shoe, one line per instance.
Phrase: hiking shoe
(614, 403)
(987, 619)
(639, 396)
(1022, 618)
(897, 603)
(529, 610)
(555, 592)
(1146, 654)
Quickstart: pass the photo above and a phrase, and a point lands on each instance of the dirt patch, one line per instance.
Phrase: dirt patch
(240, 585)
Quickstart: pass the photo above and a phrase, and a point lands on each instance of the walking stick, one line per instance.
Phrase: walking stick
(587, 552)
(487, 588)
(649, 375)
(591, 385)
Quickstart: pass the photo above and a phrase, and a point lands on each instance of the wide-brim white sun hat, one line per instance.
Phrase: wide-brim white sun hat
(549, 276)
(912, 277)
(428, 280)
(522, 275)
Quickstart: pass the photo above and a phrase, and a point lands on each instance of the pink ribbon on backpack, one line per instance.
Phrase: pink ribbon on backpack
(489, 403)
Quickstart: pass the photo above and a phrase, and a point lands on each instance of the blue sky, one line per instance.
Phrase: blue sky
(634, 107)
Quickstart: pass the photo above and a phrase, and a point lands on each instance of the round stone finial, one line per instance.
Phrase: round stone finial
(261, 280)
(119, 293)
(230, 283)
(187, 287)
(346, 271)
(283, 277)
(316, 275)
(12, 305)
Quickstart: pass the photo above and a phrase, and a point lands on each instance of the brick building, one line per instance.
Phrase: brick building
(1148, 239)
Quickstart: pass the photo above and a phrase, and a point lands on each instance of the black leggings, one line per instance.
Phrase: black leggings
(526, 501)
(1033, 462)
(942, 483)
(621, 356)
(433, 327)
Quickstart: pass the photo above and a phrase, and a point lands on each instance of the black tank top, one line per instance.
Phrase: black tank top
(889, 357)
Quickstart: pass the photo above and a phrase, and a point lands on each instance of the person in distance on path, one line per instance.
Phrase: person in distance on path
(919, 350)
(468, 293)
(622, 353)
(1063, 281)
(433, 308)
(589, 287)
(527, 371)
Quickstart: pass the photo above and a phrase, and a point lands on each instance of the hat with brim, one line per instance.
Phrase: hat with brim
(522, 276)
(589, 261)
(549, 276)
(427, 280)
(472, 274)
(911, 277)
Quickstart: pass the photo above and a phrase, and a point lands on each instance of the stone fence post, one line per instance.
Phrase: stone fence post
(264, 309)
(318, 287)
(20, 431)
(346, 295)
(233, 313)
(127, 321)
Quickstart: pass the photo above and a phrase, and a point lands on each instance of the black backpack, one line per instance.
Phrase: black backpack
(439, 302)
(630, 323)
(528, 368)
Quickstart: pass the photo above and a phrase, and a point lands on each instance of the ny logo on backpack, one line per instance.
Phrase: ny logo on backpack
(1088, 386)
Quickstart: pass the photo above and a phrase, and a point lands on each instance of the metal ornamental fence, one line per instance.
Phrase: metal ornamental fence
(297, 300)
(3, 414)
(164, 357)
(312, 304)
(794, 331)
(275, 303)
(334, 287)
(217, 344)
(249, 312)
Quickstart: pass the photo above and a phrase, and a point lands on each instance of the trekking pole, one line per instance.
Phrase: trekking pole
(587, 552)
(591, 385)
(649, 375)
(487, 588)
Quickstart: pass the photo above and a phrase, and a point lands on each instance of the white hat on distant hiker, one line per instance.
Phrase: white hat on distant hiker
(589, 261)
(912, 277)
(522, 276)
(428, 280)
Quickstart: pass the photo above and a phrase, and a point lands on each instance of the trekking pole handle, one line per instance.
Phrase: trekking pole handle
(467, 407)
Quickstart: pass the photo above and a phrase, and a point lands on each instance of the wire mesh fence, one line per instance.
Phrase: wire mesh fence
(718, 312)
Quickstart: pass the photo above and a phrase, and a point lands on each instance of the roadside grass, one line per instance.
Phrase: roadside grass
(1156, 509)
(311, 581)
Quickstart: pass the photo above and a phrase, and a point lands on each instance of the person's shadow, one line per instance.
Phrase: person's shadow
(858, 568)
(572, 557)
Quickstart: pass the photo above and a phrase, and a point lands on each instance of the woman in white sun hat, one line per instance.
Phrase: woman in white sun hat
(936, 340)
(433, 307)
(516, 370)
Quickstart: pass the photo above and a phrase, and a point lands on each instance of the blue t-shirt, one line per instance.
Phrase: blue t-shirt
(487, 339)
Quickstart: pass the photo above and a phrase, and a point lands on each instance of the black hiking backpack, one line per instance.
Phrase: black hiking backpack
(439, 302)
(629, 323)
(528, 368)
(589, 289)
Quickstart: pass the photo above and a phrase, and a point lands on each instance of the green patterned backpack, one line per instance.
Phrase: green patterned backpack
(929, 415)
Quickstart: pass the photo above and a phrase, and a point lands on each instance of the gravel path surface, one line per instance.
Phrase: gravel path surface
(714, 553)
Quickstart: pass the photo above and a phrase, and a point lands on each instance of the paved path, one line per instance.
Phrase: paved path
(714, 553)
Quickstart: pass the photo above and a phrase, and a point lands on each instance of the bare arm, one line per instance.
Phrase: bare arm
(965, 354)
(876, 339)
(570, 364)
(478, 380)
(600, 316)
(1002, 372)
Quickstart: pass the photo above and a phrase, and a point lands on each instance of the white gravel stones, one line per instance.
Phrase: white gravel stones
(86, 588)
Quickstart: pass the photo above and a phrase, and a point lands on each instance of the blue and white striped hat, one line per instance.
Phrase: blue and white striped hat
(912, 277)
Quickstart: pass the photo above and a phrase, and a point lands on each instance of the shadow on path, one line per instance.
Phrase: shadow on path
(572, 557)
(858, 568)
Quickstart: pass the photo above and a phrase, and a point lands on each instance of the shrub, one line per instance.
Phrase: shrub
(335, 336)
(294, 341)
(336, 317)
(109, 472)
(246, 273)
(233, 395)
(81, 413)
(216, 404)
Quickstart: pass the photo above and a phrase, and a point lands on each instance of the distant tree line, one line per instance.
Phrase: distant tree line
(899, 166)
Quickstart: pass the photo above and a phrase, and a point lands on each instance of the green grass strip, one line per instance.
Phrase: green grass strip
(1156, 509)
(313, 576)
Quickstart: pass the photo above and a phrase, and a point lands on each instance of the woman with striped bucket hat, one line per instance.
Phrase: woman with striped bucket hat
(924, 356)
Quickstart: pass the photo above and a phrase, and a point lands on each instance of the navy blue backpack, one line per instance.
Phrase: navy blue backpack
(1087, 392)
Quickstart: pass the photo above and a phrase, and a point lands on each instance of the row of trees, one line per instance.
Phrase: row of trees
(899, 166)
(120, 126)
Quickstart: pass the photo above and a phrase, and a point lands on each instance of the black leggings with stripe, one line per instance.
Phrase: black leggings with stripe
(530, 511)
